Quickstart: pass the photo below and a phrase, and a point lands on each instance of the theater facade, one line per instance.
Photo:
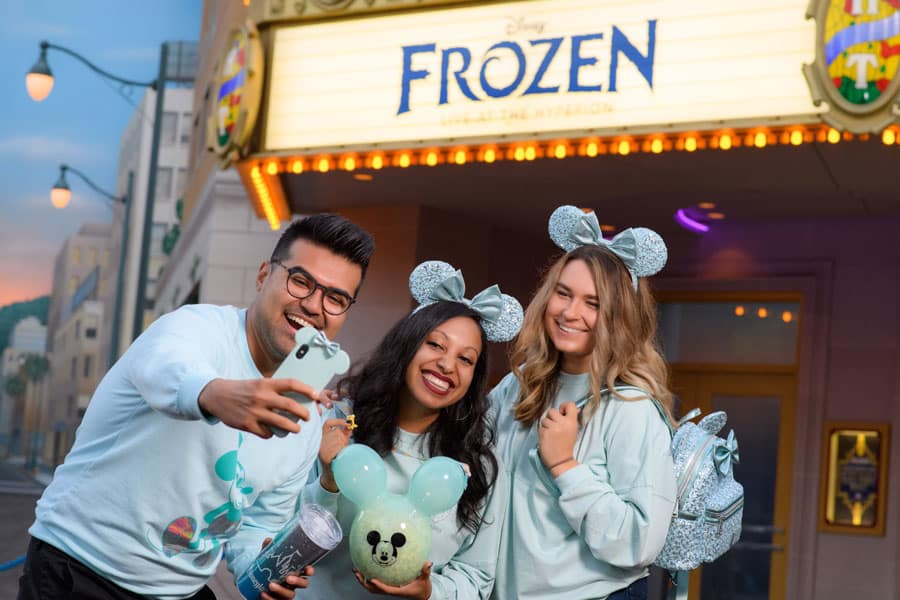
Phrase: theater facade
(760, 139)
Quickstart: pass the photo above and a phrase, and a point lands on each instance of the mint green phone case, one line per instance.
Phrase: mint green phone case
(310, 363)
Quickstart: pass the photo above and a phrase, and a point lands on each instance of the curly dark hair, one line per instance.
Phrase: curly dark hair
(461, 431)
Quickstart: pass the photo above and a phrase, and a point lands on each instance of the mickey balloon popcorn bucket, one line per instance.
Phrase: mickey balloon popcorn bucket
(391, 535)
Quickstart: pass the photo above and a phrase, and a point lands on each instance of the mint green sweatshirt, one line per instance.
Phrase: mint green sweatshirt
(151, 494)
(598, 526)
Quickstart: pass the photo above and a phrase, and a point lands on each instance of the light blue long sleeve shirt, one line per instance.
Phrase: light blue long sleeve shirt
(595, 528)
(464, 562)
(152, 494)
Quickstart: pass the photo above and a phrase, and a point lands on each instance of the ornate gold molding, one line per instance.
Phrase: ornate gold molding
(273, 11)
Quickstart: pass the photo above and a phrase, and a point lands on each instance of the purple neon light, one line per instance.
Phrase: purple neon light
(688, 223)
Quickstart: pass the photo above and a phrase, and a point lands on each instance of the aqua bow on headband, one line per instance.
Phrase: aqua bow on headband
(434, 280)
(330, 348)
(642, 250)
(488, 303)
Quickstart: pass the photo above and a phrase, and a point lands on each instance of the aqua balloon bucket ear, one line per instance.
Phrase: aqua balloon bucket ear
(391, 535)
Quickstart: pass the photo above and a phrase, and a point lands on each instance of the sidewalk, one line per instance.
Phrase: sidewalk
(18, 493)
(15, 479)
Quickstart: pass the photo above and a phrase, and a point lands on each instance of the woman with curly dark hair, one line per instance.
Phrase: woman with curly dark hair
(422, 394)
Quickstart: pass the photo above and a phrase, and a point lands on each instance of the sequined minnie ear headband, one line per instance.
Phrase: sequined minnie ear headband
(434, 280)
(642, 250)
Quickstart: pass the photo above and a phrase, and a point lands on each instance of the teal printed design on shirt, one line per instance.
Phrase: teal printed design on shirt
(180, 535)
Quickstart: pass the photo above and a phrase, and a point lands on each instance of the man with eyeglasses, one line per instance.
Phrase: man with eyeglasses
(164, 477)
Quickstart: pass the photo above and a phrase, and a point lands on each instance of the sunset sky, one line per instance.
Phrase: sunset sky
(80, 123)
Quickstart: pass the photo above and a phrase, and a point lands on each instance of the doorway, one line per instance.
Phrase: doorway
(738, 353)
(760, 408)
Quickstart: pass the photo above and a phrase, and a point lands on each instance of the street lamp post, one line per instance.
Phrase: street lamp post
(39, 82)
(59, 196)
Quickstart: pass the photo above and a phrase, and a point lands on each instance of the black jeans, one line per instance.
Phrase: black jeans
(635, 591)
(51, 574)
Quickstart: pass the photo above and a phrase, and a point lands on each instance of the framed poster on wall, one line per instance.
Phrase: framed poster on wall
(854, 478)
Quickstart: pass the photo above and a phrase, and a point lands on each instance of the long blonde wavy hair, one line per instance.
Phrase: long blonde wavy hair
(625, 349)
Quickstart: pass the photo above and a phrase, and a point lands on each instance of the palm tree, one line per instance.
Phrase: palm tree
(35, 369)
(15, 387)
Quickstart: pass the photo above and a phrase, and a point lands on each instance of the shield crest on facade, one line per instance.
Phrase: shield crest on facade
(237, 89)
(857, 66)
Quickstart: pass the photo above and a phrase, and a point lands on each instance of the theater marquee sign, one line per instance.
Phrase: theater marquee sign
(508, 70)
(857, 66)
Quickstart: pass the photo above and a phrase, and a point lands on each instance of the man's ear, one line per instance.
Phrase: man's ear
(264, 269)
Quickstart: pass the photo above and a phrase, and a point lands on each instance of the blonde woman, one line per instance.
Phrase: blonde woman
(593, 484)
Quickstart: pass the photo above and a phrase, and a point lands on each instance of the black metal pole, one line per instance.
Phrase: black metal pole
(120, 282)
(140, 302)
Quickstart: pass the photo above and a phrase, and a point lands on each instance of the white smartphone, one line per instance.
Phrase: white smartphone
(310, 364)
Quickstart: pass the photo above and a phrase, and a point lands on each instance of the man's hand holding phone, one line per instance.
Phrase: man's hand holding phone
(252, 405)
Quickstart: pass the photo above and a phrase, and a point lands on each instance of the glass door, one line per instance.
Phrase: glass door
(760, 409)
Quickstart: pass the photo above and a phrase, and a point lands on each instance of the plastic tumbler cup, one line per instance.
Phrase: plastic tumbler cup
(311, 534)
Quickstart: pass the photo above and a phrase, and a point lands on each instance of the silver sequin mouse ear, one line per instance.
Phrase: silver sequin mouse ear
(501, 314)
(426, 277)
(651, 253)
(506, 326)
(563, 222)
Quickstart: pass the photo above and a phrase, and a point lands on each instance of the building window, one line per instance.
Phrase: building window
(157, 234)
(74, 368)
(106, 259)
(186, 128)
(77, 329)
(92, 257)
(72, 407)
(180, 180)
(90, 332)
(76, 255)
(73, 284)
(87, 366)
(164, 183)
(169, 128)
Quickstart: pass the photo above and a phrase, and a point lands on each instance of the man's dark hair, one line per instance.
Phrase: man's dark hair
(331, 231)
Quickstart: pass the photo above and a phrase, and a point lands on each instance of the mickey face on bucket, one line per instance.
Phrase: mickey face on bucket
(384, 551)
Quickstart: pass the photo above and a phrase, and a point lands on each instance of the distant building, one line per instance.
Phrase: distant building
(76, 369)
(82, 276)
(29, 336)
(171, 174)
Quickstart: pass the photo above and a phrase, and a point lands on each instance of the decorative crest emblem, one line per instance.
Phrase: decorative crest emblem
(857, 66)
(237, 90)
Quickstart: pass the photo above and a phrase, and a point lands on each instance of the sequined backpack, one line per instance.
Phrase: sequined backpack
(709, 504)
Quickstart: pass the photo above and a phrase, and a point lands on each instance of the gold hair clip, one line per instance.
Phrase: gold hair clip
(351, 422)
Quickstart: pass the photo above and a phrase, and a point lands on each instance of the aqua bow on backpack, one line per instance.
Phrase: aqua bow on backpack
(709, 504)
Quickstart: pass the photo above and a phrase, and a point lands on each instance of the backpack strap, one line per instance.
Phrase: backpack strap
(678, 589)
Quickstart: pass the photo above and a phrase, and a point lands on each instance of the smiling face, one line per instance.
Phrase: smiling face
(441, 371)
(275, 315)
(570, 318)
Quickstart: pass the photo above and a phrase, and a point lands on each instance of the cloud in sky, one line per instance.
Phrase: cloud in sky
(43, 148)
(36, 28)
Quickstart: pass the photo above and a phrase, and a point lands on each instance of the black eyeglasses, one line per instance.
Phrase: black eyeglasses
(300, 285)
